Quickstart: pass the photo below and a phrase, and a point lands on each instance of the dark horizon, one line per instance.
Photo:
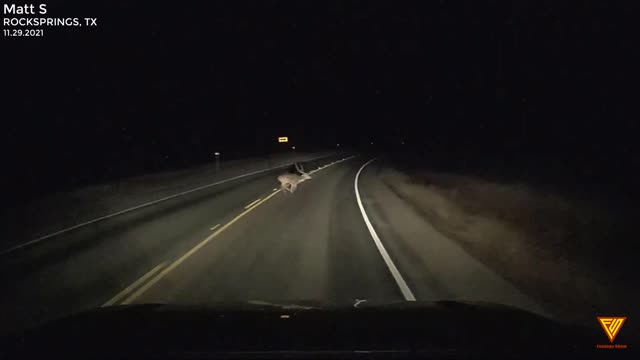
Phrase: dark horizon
(162, 87)
(496, 165)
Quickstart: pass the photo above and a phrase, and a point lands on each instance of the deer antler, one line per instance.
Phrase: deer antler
(289, 182)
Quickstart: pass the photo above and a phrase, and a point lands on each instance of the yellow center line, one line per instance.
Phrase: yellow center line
(175, 264)
(131, 287)
(184, 257)
(248, 206)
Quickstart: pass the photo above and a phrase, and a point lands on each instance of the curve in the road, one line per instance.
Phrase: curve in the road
(140, 286)
(402, 284)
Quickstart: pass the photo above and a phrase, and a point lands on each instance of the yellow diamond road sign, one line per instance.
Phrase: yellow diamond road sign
(283, 139)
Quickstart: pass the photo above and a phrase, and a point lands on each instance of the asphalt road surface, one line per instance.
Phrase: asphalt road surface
(248, 241)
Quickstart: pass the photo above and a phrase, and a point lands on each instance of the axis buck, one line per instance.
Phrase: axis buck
(289, 182)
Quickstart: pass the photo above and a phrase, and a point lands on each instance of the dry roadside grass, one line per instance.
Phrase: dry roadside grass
(554, 249)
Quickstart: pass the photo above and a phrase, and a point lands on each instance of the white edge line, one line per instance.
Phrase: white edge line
(404, 288)
(248, 206)
(31, 242)
(133, 286)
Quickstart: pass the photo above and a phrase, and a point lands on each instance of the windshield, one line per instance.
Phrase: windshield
(326, 153)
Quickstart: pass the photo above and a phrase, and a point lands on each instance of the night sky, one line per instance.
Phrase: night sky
(162, 85)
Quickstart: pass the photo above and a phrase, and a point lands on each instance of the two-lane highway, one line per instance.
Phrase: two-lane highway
(247, 240)
(310, 245)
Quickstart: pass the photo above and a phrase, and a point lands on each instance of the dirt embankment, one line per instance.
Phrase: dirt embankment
(573, 258)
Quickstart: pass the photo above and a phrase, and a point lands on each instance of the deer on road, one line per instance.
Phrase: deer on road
(289, 182)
